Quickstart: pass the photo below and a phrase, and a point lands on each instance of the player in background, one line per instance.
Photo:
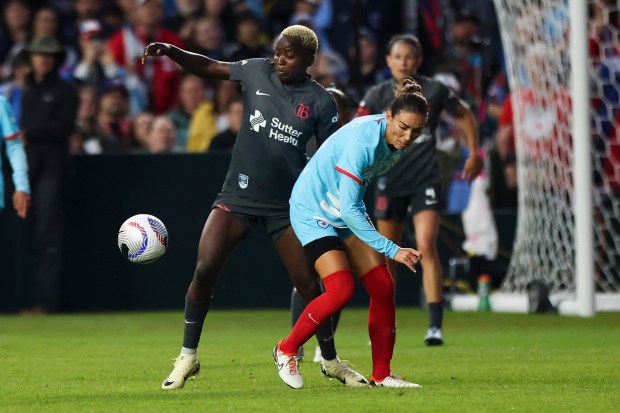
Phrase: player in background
(283, 109)
(10, 136)
(345, 114)
(413, 186)
(329, 218)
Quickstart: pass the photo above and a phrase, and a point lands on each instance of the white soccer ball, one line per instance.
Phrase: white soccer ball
(143, 239)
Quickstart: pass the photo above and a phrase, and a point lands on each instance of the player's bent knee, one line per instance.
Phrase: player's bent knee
(340, 288)
(379, 283)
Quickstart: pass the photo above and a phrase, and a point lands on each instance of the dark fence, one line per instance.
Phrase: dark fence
(179, 189)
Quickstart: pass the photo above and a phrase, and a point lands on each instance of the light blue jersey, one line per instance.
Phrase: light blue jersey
(327, 198)
(10, 136)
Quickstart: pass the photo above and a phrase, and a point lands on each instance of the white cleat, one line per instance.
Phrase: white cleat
(288, 368)
(434, 337)
(318, 357)
(340, 370)
(392, 381)
(185, 367)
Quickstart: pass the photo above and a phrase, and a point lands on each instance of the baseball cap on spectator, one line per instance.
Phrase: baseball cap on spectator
(90, 29)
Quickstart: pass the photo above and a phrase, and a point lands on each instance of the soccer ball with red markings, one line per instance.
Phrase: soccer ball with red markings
(143, 239)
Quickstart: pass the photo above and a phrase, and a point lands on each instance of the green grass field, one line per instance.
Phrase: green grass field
(490, 363)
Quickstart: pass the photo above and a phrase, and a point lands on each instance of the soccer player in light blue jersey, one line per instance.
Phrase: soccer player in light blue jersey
(329, 217)
(10, 135)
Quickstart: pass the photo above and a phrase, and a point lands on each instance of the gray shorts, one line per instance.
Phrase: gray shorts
(428, 198)
(274, 217)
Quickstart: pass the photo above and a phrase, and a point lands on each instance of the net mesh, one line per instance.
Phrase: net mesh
(535, 34)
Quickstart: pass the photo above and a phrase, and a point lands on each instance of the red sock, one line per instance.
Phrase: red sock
(381, 318)
(339, 288)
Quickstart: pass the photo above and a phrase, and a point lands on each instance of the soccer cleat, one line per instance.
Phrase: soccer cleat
(185, 367)
(318, 357)
(434, 337)
(392, 381)
(340, 370)
(288, 368)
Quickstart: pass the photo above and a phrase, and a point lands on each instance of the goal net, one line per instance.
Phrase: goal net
(535, 35)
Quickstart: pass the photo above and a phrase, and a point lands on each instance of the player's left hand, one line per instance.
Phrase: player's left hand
(472, 167)
(21, 202)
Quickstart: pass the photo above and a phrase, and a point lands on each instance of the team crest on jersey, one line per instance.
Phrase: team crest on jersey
(321, 224)
(243, 181)
(302, 111)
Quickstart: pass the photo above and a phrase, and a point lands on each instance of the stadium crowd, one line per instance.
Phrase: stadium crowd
(129, 107)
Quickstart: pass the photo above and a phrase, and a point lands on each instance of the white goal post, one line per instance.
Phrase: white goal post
(565, 115)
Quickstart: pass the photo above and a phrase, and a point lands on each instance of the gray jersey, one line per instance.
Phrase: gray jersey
(278, 121)
(418, 166)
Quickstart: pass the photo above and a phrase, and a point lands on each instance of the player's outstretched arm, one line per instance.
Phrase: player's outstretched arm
(200, 65)
(409, 257)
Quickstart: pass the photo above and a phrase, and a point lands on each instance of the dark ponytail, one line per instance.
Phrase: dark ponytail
(409, 98)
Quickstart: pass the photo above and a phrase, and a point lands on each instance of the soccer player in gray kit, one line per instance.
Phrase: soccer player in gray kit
(283, 109)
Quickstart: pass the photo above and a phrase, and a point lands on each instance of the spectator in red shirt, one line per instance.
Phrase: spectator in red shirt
(127, 44)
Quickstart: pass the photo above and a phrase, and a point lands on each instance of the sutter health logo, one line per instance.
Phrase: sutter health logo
(284, 133)
(257, 121)
(278, 130)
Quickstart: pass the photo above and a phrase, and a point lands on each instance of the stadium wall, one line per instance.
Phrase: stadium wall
(178, 189)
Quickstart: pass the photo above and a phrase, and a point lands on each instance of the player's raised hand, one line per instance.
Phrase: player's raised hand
(409, 257)
(155, 49)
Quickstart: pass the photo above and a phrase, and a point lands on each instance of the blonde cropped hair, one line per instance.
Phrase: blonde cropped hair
(307, 36)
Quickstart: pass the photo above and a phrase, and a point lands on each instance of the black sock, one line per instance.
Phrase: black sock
(195, 313)
(435, 314)
(325, 337)
(297, 306)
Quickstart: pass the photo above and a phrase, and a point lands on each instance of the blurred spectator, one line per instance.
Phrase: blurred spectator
(46, 24)
(221, 10)
(127, 44)
(225, 141)
(115, 128)
(49, 109)
(251, 41)
(187, 11)
(16, 16)
(97, 64)
(504, 179)
(192, 93)
(465, 54)
(13, 89)
(225, 91)
(141, 127)
(85, 138)
(210, 118)
(162, 136)
(346, 111)
(329, 68)
(10, 138)
(370, 70)
(84, 10)
(207, 38)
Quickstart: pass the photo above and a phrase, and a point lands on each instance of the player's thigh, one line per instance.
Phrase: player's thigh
(426, 224)
(362, 258)
(390, 213)
(301, 271)
(220, 235)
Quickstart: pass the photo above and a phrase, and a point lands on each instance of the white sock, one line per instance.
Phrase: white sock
(189, 351)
